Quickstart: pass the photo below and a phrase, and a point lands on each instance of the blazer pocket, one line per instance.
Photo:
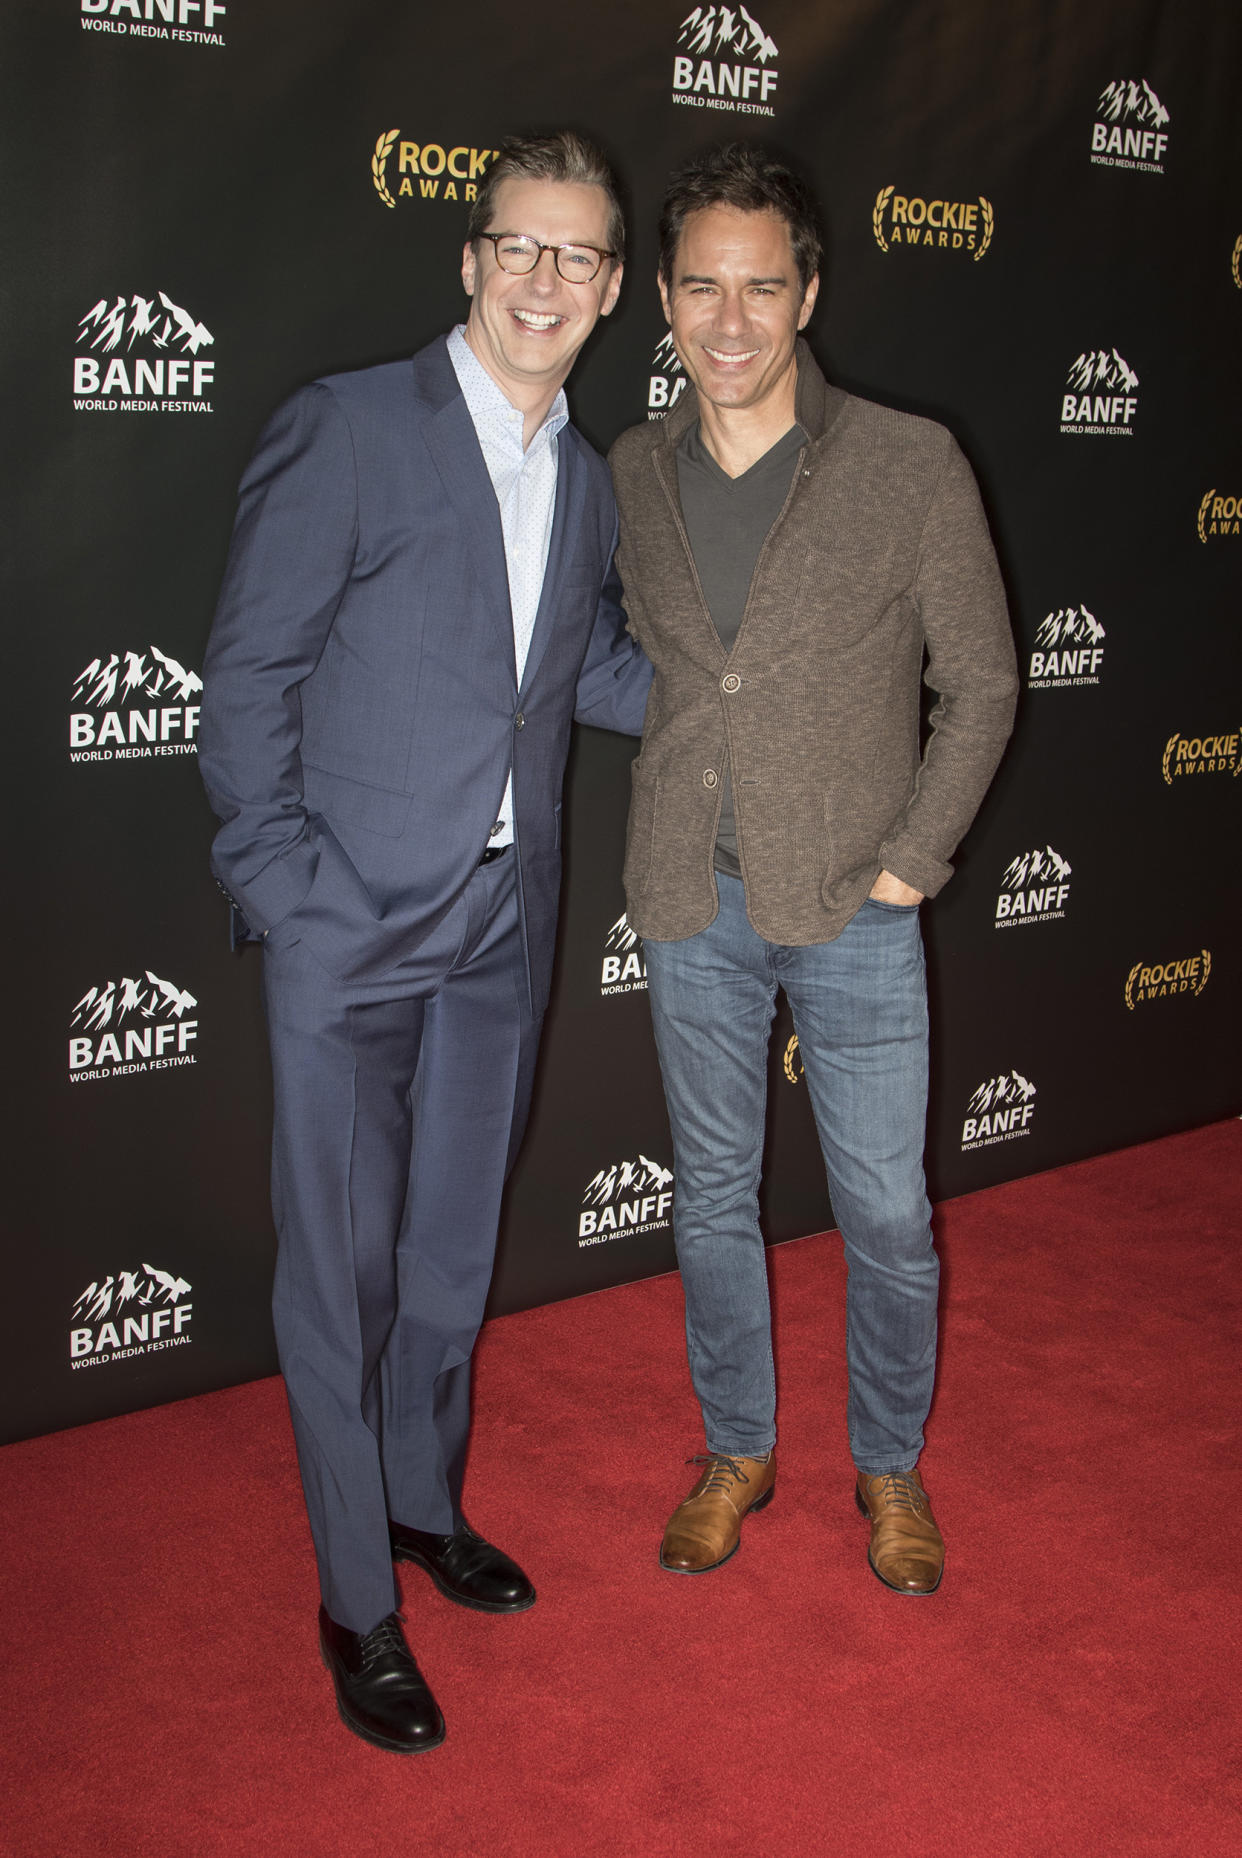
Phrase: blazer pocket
(356, 803)
(640, 836)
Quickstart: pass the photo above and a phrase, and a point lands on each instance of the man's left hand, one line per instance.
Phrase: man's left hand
(890, 889)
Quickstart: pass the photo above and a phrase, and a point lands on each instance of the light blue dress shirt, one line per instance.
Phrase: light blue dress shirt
(524, 480)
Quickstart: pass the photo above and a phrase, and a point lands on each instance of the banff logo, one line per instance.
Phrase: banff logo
(1033, 889)
(1219, 516)
(129, 1313)
(947, 225)
(608, 1213)
(136, 383)
(1189, 976)
(186, 22)
(127, 1026)
(1100, 397)
(1201, 754)
(1129, 128)
(133, 706)
(427, 170)
(706, 78)
(668, 379)
(1068, 650)
(624, 970)
(999, 1111)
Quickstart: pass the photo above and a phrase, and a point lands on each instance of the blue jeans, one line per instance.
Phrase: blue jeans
(860, 1011)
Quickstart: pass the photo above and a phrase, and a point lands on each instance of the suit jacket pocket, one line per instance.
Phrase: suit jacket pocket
(355, 803)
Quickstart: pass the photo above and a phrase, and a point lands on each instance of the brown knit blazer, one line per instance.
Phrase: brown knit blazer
(881, 557)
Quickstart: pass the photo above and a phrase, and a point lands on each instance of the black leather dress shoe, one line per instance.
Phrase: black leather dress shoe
(380, 1691)
(465, 1568)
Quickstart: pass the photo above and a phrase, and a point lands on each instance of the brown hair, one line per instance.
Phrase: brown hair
(563, 156)
(743, 176)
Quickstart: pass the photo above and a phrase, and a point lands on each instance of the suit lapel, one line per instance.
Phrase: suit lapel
(454, 446)
(566, 524)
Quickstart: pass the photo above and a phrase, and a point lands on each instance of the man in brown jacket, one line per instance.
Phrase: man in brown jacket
(790, 555)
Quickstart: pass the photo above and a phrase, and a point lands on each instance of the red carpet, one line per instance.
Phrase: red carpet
(1072, 1690)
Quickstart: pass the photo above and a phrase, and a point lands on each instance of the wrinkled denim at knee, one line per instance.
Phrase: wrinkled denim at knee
(860, 1011)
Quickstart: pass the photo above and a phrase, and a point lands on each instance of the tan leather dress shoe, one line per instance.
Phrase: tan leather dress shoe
(907, 1549)
(705, 1529)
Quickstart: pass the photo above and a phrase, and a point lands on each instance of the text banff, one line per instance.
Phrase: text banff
(629, 1216)
(149, 378)
(140, 1042)
(999, 1126)
(139, 1335)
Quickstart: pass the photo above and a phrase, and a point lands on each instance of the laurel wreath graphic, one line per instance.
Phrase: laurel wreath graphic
(379, 161)
(877, 215)
(1203, 510)
(1169, 746)
(1207, 969)
(791, 1052)
(989, 222)
(1130, 978)
(1235, 263)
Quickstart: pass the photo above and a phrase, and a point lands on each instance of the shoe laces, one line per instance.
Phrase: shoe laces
(724, 1474)
(386, 1639)
(901, 1492)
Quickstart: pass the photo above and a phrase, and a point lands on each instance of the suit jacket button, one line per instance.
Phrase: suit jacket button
(519, 721)
(731, 682)
(709, 777)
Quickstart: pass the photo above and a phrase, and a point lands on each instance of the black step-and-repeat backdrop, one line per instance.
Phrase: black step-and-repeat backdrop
(1035, 235)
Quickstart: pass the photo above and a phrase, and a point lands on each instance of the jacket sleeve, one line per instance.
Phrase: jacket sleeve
(289, 564)
(971, 667)
(616, 673)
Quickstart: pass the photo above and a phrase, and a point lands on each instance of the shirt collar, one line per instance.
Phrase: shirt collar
(484, 399)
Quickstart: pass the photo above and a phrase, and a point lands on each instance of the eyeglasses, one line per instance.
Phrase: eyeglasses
(517, 253)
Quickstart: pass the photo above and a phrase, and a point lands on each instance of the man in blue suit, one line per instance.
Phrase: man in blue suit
(419, 600)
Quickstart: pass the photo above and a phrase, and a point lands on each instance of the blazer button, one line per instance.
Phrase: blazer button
(519, 721)
(709, 777)
(731, 682)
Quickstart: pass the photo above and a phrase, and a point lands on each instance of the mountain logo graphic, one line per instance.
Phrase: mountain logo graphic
(1000, 1110)
(621, 937)
(1035, 867)
(708, 31)
(141, 1288)
(1100, 370)
(129, 1313)
(115, 1002)
(625, 1199)
(1069, 625)
(1132, 100)
(129, 677)
(624, 969)
(665, 359)
(136, 319)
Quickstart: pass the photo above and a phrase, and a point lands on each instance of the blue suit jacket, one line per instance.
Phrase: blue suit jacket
(361, 708)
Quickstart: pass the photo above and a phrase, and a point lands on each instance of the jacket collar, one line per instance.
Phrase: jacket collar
(817, 404)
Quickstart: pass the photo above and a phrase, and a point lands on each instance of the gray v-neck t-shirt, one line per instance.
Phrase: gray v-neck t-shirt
(728, 520)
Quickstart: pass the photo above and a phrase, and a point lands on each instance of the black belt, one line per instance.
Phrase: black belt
(492, 853)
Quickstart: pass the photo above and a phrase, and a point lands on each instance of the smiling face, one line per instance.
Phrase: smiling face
(735, 306)
(527, 331)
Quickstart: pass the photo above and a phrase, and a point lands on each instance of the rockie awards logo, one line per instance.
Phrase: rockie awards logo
(185, 22)
(427, 170)
(133, 706)
(624, 1200)
(1068, 650)
(1129, 128)
(169, 377)
(1100, 397)
(668, 380)
(791, 1060)
(1034, 889)
(1163, 978)
(947, 225)
(1219, 516)
(1000, 1110)
(624, 971)
(124, 1027)
(1201, 754)
(728, 62)
(129, 1313)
